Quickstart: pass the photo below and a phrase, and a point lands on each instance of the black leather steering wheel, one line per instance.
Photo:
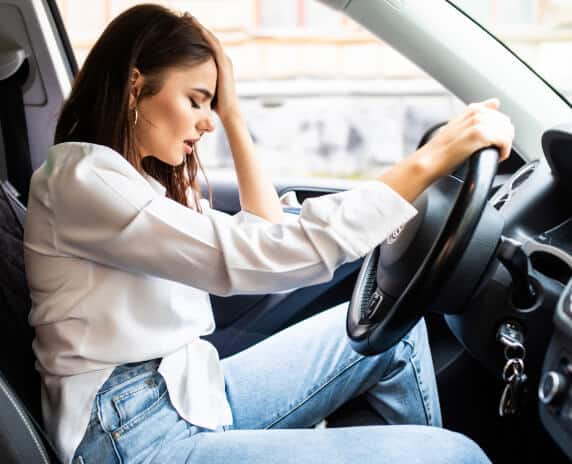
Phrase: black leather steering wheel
(433, 264)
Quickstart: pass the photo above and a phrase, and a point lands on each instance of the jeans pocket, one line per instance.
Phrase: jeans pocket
(136, 400)
(138, 416)
(129, 402)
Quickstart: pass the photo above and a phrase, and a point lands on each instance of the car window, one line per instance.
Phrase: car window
(538, 31)
(321, 95)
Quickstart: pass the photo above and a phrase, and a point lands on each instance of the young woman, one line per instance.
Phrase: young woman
(121, 254)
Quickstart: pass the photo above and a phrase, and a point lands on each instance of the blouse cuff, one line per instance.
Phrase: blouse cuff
(358, 219)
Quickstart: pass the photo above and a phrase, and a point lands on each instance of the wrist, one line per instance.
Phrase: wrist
(230, 116)
(427, 162)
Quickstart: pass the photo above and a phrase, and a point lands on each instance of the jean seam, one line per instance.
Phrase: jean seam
(115, 449)
(107, 432)
(413, 360)
(128, 376)
(100, 414)
(314, 392)
(130, 393)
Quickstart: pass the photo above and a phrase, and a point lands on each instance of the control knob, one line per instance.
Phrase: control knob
(553, 387)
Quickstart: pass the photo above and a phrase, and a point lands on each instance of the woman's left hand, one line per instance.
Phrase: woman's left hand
(227, 99)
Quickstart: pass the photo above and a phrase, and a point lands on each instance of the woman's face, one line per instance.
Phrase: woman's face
(170, 122)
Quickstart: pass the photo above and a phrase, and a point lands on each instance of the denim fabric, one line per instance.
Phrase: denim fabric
(277, 389)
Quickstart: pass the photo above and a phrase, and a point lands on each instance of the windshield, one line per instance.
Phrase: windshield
(538, 31)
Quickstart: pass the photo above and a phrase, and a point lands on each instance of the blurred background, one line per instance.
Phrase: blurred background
(321, 95)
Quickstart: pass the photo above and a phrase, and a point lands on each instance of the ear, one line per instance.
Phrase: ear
(135, 86)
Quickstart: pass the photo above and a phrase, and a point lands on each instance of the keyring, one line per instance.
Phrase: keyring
(516, 364)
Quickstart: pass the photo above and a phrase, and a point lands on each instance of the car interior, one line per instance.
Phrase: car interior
(487, 261)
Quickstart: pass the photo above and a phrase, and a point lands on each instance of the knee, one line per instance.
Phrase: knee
(417, 338)
(459, 448)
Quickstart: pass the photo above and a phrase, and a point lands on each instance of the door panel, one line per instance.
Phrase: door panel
(243, 320)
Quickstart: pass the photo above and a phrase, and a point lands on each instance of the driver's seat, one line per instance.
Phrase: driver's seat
(22, 441)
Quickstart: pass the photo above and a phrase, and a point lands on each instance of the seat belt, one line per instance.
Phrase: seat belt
(13, 123)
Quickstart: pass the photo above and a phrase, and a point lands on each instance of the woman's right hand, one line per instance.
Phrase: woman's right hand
(227, 105)
(480, 125)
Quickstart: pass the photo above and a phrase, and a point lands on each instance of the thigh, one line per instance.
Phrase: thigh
(380, 444)
(300, 375)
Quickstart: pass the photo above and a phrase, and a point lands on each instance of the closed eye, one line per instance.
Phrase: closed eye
(194, 103)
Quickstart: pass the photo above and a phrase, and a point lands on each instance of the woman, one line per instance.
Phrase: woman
(120, 254)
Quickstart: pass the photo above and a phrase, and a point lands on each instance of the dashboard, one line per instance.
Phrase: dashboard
(534, 202)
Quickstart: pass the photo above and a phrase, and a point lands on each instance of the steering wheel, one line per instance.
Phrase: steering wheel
(434, 263)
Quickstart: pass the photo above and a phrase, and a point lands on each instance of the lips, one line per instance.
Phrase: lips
(189, 145)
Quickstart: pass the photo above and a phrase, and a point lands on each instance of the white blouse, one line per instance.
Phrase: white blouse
(119, 273)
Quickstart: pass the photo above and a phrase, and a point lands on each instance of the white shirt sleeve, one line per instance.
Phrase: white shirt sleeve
(105, 211)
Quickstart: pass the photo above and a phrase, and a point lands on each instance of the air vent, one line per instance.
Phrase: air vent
(506, 192)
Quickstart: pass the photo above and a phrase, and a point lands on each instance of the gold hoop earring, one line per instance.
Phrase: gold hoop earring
(136, 117)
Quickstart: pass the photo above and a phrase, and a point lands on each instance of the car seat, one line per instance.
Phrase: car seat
(22, 440)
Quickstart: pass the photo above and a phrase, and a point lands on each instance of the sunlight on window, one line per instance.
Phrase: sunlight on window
(539, 31)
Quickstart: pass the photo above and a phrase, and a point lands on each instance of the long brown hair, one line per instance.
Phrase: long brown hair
(152, 39)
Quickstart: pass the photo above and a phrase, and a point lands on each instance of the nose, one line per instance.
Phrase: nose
(206, 123)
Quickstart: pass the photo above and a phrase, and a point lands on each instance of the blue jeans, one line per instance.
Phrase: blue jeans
(277, 390)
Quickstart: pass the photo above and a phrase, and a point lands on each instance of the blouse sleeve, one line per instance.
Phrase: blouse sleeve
(106, 212)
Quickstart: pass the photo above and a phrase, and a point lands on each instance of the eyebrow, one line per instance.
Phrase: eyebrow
(205, 92)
